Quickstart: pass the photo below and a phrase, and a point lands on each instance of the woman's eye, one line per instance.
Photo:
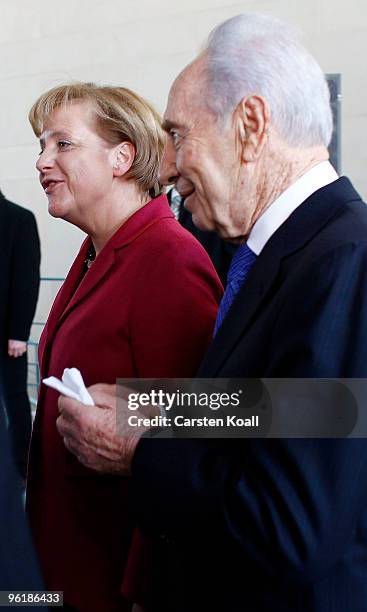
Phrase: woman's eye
(63, 144)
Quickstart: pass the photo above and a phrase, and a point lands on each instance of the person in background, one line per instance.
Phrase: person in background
(19, 285)
(219, 251)
(140, 300)
(257, 524)
(19, 569)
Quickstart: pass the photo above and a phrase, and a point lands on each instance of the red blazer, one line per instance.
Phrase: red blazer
(145, 308)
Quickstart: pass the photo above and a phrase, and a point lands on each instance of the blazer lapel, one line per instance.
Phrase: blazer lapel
(78, 286)
(137, 224)
(62, 300)
(95, 276)
(306, 221)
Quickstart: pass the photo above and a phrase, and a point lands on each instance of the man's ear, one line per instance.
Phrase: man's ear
(123, 156)
(253, 117)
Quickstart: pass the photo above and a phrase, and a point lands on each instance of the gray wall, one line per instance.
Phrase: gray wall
(143, 44)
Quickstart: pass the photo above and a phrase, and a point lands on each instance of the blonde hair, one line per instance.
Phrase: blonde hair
(120, 115)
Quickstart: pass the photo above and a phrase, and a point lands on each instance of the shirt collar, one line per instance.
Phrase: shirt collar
(320, 175)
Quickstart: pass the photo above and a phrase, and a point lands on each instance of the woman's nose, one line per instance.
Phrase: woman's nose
(44, 161)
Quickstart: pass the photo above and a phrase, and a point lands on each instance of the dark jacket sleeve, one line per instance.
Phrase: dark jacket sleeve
(24, 276)
(290, 506)
(18, 565)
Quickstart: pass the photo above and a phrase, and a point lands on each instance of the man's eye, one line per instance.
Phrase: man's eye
(175, 137)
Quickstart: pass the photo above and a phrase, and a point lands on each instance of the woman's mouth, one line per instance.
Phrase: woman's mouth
(49, 185)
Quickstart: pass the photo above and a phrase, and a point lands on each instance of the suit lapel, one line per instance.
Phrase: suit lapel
(306, 221)
(242, 312)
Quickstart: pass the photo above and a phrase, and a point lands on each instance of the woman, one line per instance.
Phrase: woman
(139, 301)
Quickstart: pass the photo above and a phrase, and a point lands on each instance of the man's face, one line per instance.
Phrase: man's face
(202, 157)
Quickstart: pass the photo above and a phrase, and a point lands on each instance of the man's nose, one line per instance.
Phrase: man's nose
(168, 172)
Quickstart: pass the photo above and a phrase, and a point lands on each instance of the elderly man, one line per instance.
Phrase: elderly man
(257, 524)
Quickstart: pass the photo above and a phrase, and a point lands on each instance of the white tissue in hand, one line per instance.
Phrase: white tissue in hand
(73, 379)
(72, 385)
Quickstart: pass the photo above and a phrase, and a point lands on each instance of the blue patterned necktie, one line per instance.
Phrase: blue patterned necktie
(241, 264)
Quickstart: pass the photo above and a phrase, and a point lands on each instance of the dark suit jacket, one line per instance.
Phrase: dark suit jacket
(145, 308)
(19, 277)
(276, 525)
(18, 566)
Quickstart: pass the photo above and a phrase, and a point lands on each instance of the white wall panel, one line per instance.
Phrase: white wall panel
(143, 44)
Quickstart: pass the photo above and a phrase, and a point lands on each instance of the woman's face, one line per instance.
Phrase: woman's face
(75, 164)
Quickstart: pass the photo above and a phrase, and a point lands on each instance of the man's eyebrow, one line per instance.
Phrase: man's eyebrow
(168, 125)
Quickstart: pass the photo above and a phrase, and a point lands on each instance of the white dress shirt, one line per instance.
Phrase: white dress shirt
(266, 225)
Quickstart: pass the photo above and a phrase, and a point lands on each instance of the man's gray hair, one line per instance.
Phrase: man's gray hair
(258, 54)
